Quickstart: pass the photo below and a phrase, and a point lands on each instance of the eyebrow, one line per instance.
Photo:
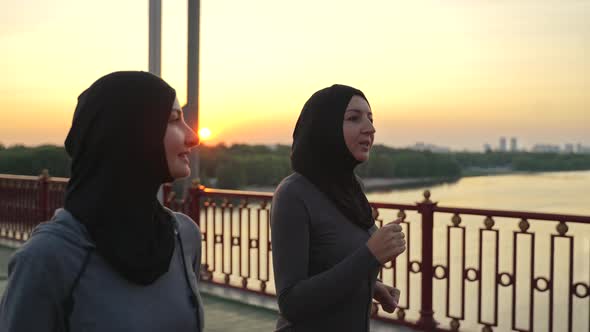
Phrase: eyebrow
(358, 111)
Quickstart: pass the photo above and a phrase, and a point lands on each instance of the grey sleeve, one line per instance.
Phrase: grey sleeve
(191, 237)
(301, 296)
(191, 233)
(198, 252)
(28, 303)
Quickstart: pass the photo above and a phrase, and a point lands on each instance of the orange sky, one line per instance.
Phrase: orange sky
(456, 73)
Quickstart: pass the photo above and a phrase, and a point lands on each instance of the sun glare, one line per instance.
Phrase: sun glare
(204, 134)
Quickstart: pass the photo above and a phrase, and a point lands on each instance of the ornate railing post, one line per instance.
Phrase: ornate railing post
(195, 201)
(426, 209)
(43, 200)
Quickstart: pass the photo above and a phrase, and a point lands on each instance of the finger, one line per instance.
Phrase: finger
(399, 235)
(374, 308)
(393, 227)
(398, 243)
(389, 235)
(397, 251)
(398, 221)
(389, 288)
(389, 304)
(388, 308)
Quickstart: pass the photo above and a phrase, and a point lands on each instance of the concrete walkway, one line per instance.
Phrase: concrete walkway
(223, 315)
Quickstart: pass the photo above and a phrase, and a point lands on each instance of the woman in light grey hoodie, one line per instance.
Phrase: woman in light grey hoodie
(114, 259)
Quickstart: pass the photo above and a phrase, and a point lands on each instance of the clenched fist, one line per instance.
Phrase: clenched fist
(387, 242)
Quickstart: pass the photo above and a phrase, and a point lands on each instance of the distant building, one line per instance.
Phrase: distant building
(513, 146)
(502, 147)
(420, 146)
(487, 148)
(545, 148)
(568, 148)
(582, 149)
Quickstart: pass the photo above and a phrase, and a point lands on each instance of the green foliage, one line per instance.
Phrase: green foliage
(486, 160)
(242, 165)
(387, 163)
(551, 162)
(23, 160)
(230, 175)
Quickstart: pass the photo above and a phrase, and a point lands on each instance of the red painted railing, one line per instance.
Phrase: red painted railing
(27, 200)
(464, 269)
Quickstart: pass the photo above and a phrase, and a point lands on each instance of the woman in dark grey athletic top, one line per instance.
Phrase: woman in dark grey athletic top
(326, 248)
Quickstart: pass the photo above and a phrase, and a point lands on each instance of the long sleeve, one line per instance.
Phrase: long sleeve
(28, 303)
(301, 296)
(190, 234)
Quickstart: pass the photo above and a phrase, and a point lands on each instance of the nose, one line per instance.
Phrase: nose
(191, 139)
(368, 128)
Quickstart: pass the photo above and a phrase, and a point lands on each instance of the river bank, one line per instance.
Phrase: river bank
(378, 184)
(384, 184)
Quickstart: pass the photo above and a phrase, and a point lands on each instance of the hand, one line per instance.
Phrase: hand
(387, 242)
(387, 296)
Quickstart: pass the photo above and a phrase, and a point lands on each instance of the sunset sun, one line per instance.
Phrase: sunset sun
(204, 134)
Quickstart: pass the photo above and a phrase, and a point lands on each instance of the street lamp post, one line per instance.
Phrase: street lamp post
(155, 48)
(192, 106)
(155, 37)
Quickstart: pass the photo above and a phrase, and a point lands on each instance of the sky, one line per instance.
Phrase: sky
(455, 73)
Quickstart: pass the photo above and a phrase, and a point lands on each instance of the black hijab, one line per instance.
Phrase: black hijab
(116, 143)
(320, 154)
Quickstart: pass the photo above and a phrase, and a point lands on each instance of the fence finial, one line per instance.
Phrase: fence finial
(426, 195)
(196, 184)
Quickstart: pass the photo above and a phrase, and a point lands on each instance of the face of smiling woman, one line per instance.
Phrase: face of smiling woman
(358, 128)
(178, 141)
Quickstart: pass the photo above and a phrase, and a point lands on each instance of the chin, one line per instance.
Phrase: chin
(181, 174)
(362, 157)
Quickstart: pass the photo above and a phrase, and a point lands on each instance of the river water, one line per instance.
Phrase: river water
(552, 192)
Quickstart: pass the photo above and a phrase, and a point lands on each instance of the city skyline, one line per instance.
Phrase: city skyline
(458, 74)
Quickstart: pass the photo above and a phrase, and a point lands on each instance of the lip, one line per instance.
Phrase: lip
(184, 156)
(365, 144)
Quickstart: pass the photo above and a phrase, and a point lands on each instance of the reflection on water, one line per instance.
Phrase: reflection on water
(556, 192)
(562, 192)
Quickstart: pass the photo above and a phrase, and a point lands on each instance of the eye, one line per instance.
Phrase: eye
(175, 116)
(353, 118)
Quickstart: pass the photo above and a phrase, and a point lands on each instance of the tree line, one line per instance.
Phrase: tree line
(241, 165)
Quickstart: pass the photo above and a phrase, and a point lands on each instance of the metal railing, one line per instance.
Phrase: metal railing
(25, 201)
(463, 270)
